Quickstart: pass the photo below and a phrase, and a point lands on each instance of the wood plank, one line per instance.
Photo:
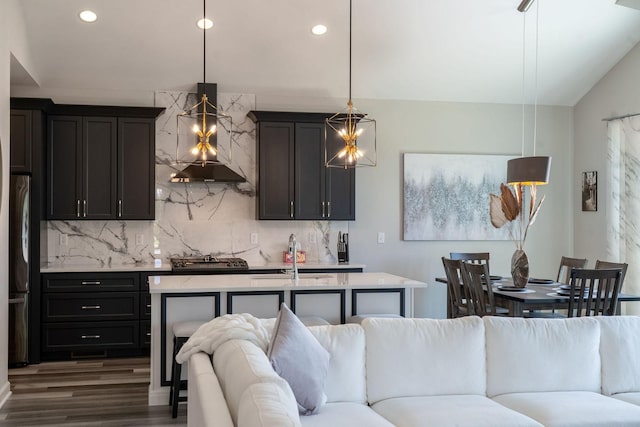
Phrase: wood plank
(103, 392)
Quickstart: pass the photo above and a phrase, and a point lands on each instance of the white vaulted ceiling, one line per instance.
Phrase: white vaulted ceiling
(447, 50)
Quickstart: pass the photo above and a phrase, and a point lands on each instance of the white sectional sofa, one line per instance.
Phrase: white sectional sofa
(425, 372)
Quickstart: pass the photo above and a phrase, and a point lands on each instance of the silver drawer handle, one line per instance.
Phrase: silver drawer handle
(148, 334)
(91, 307)
(87, 337)
(97, 282)
(148, 305)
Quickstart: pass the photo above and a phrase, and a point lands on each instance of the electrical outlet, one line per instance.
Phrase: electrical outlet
(312, 237)
(64, 239)
(139, 239)
(380, 237)
(254, 238)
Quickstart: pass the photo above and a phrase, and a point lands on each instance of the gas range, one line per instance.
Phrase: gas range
(208, 263)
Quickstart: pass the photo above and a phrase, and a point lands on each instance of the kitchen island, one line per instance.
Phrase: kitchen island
(332, 296)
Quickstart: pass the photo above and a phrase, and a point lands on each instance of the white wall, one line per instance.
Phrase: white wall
(618, 93)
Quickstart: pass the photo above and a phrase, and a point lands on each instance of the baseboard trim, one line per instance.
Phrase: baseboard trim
(5, 392)
(159, 397)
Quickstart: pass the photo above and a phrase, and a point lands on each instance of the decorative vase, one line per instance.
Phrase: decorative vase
(520, 268)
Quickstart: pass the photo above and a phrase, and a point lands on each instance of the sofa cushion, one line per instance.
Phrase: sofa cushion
(620, 353)
(443, 411)
(527, 355)
(572, 409)
(239, 364)
(628, 397)
(424, 357)
(346, 376)
(345, 414)
(298, 357)
(207, 406)
(267, 405)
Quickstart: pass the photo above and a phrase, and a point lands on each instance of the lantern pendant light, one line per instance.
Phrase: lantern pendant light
(532, 170)
(203, 131)
(350, 136)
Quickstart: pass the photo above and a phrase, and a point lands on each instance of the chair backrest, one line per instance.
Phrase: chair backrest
(594, 292)
(606, 265)
(566, 264)
(472, 257)
(457, 291)
(476, 279)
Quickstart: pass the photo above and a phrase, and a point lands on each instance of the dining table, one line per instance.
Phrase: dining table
(539, 294)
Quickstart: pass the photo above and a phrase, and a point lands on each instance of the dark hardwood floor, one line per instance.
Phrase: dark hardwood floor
(105, 392)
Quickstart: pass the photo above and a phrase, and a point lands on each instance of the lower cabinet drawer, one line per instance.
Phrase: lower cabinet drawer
(90, 335)
(145, 333)
(93, 306)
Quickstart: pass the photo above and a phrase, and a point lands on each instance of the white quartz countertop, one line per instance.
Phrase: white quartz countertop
(166, 266)
(257, 282)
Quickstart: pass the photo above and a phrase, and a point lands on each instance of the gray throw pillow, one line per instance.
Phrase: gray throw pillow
(298, 357)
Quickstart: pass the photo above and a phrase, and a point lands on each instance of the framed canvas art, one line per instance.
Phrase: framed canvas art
(589, 191)
(446, 196)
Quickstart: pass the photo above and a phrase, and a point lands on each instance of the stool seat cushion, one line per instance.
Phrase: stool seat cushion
(185, 329)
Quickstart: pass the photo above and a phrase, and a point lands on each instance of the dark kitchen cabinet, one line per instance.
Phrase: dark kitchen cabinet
(293, 182)
(21, 138)
(92, 314)
(101, 167)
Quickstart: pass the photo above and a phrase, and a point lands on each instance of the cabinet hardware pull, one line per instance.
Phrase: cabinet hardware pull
(148, 334)
(78, 208)
(119, 208)
(85, 208)
(291, 209)
(148, 305)
(323, 209)
(97, 282)
(91, 307)
(87, 337)
(328, 209)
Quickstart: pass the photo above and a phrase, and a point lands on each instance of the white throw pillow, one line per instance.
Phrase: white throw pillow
(297, 356)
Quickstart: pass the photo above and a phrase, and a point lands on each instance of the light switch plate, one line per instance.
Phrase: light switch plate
(64, 239)
(139, 239)
(380, 237)
(312, 237)
(254, 238)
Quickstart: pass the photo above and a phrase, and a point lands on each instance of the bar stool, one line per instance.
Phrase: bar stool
(182, 331)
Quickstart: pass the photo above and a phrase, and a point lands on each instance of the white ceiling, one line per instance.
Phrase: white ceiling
(446, 50)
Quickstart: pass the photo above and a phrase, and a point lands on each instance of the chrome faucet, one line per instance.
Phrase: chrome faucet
(294, 250)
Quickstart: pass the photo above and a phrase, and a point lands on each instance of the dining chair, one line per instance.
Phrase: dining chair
(594, 292)
(459, 302)
(566, 264)
(473, 257)
(621, 265)
(474, 277)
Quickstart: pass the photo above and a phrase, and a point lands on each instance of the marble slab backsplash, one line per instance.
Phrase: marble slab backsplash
(194, 218)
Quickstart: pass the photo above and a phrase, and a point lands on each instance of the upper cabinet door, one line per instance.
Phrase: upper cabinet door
(136, 169)
(341, 186)
(310, 200)
(64, 151)
(99, 167)
(276, 172)
(21, 137)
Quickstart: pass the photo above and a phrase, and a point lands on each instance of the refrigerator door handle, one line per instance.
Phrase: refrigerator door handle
(17, 300)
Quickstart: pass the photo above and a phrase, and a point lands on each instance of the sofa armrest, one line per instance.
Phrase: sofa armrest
(206, 406)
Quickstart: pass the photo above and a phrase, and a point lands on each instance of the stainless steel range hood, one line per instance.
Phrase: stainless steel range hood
(208, 173)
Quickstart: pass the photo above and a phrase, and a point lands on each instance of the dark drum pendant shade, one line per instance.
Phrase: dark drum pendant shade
(529, 170)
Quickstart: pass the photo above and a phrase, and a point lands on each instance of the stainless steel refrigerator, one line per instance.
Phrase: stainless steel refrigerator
(19, 276)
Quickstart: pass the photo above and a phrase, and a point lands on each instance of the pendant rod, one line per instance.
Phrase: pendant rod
(609, 119)
(350, 24)
(204, 41)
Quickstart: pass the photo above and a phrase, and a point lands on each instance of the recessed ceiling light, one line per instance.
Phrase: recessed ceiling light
(319, 29)
(205, 23)
(88, 16)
